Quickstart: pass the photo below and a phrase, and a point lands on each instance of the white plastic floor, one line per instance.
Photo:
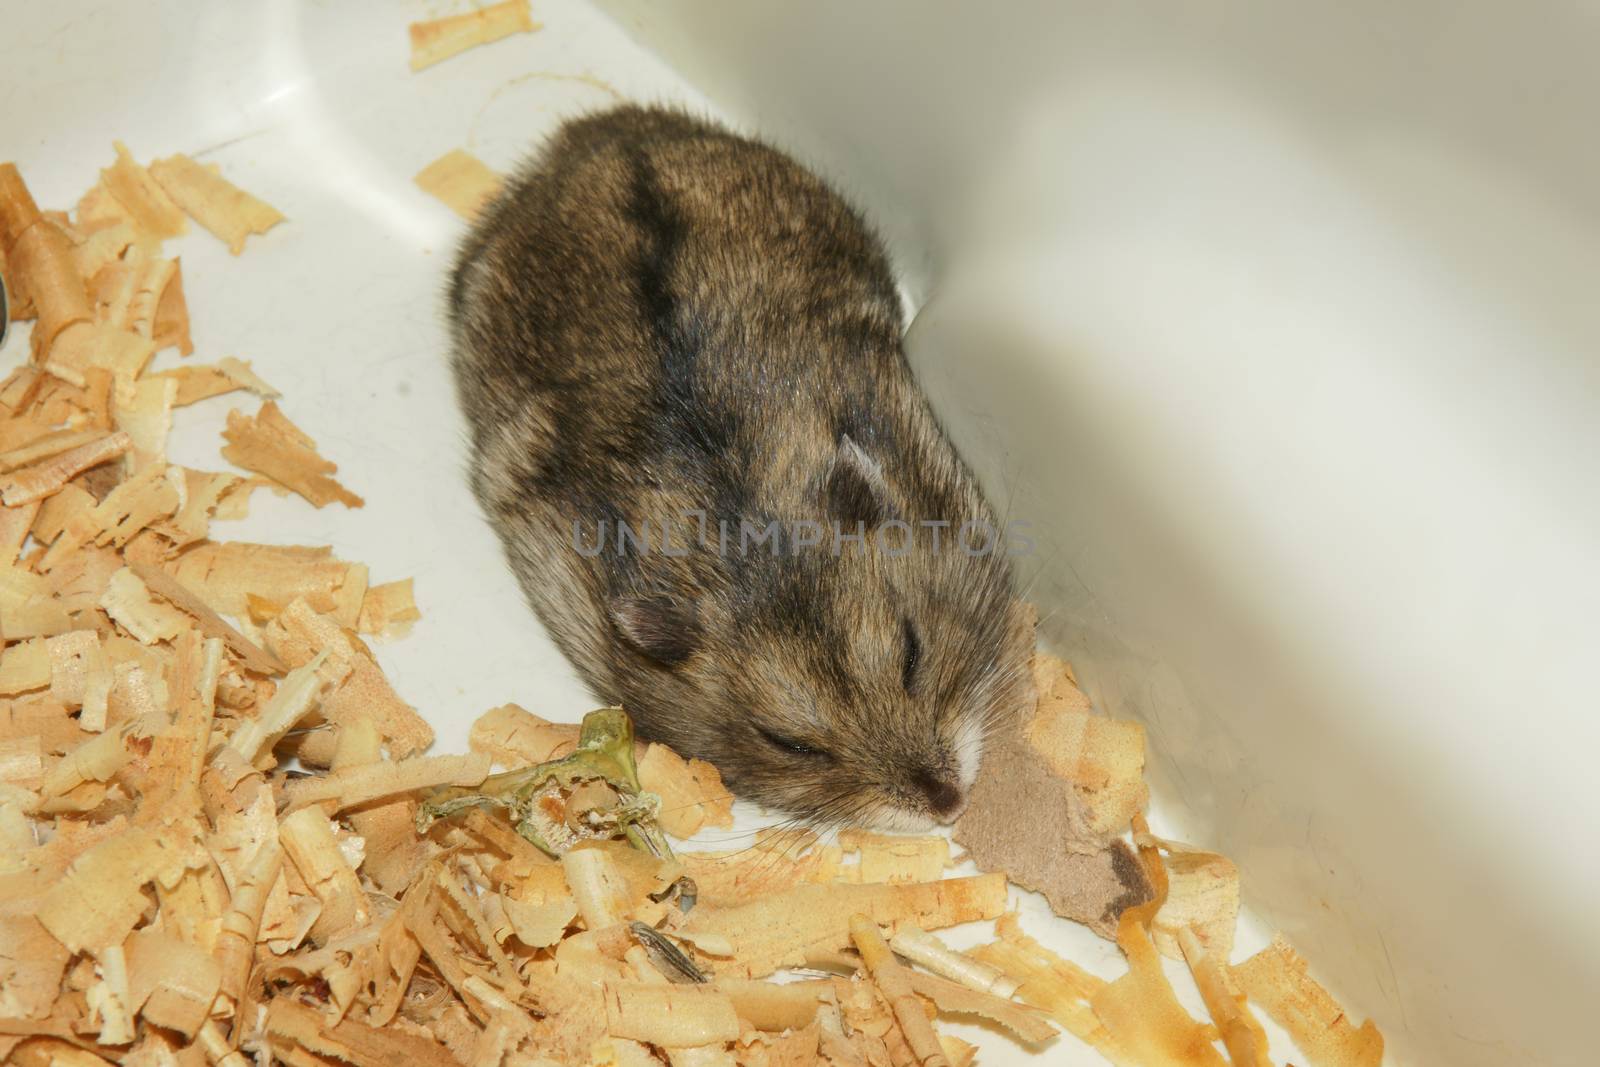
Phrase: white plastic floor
(312, 106)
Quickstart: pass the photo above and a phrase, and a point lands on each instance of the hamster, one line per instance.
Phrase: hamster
(695, 431)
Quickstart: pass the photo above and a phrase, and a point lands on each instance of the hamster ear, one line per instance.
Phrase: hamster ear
(856, 491)
(663, 628)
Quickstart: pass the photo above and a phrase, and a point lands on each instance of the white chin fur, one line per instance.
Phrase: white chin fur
(888, 818)
(968, 747)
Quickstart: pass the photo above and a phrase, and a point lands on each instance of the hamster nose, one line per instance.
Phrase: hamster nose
(944, 796)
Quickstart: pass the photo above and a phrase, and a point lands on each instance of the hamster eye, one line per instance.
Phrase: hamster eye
(791, 746)
(913, 657)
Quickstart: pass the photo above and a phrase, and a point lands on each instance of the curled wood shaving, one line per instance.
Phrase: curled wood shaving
(32, 962)
(293, 1027)
(24, 667)
(40, 264)
(227, 574)
(130, 291)
(921, 947)
(85, 347)
(172, 316)
(1026, 1024)
(172, 982)
(48, 444)
(237, 935)
(885, 858)
(895, 984)
(289, 704)
(1058, 986)
(128, 602)
(299, 633)
(1142, 1014)
(145, 413)
(1202, 899)
(309, 842)
(201, 382)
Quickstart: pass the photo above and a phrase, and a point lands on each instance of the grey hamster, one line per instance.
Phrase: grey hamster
(679, 355)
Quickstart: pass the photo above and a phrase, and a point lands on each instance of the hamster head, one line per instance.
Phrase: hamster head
(841, 680)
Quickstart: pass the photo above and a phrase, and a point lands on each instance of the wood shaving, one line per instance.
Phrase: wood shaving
(1242, 1035)
(143, 200)
(436, 40)
(43, 479)
(884, 858)
(202, 382)
(388, 610)
(462, 181)
(691, 792)
(268, 443)
(41, 265)
(1102, 757)
(895, 985)
(230, 213)
(778, 930)
(1202, 899)
(1276, 978)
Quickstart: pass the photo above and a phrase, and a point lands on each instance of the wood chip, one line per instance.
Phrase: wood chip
(230, 213)
(779, 930)
(672, 1016)
(1277, 978)
(361, 785)
(146, 203)
(515, 736)
(388, 610)
(211, 624)
(461, 181)
(269, 444)
(1102, 757)
(43, 479)
(436, 40)
(102, 896)
(1242, 1035)
(172, 982)
(691, 791)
